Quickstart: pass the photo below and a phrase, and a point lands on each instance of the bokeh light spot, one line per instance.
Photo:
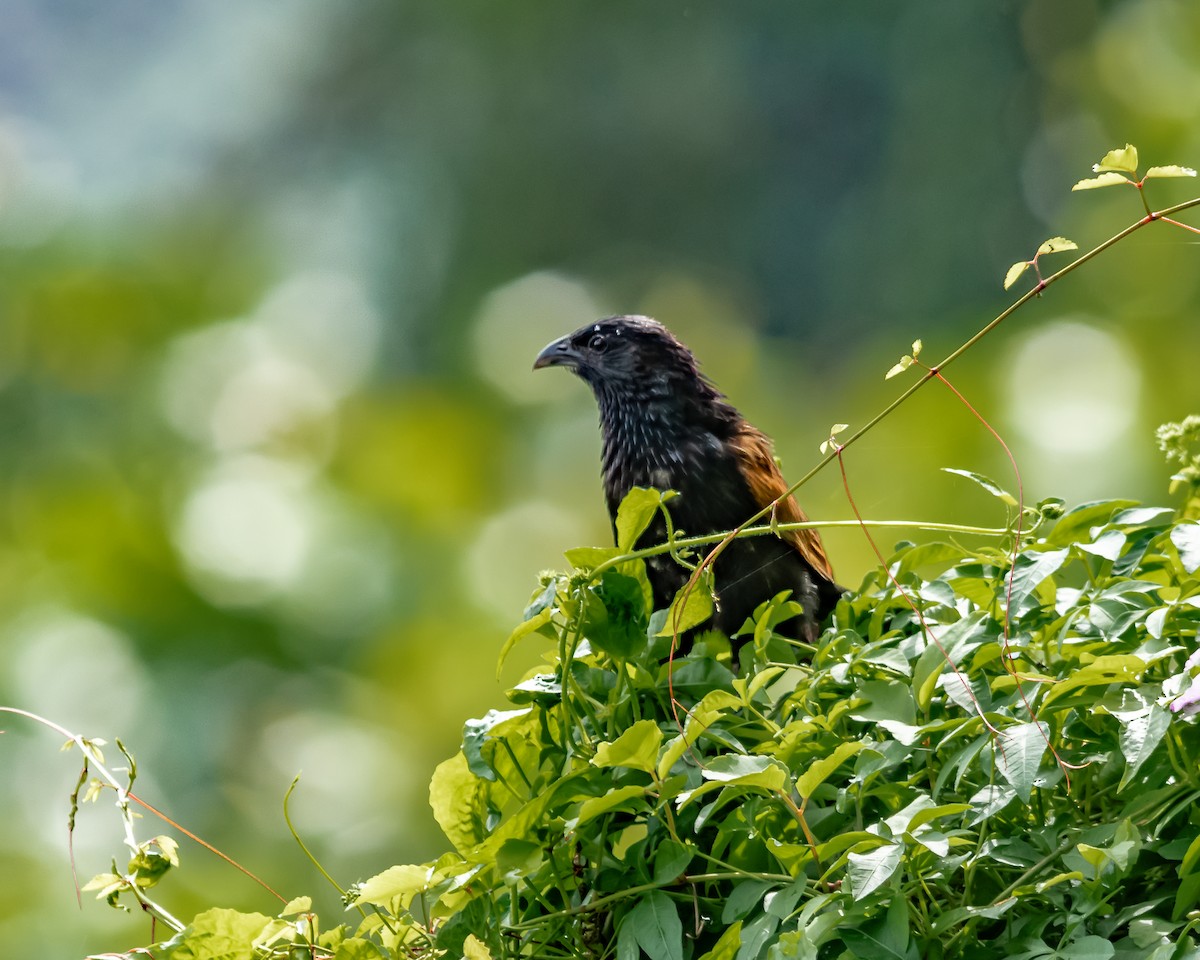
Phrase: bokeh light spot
(512, 547)
(245, 532)
(1073, 388)
(349, 773)
(323, 321)
(78, 671)
(38, 187)
(515, 321)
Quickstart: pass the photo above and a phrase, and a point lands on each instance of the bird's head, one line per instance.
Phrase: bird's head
(632, 355)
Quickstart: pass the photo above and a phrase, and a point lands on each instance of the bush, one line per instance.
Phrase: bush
(987, 754)
(934, 779)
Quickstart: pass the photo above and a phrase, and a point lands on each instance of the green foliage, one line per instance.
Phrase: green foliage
(934, 779)
(1180, 442)
(1120, 165)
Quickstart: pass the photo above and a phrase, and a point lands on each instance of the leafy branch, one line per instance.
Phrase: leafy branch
(887, 789)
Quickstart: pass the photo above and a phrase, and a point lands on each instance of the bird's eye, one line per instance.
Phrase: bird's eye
(597, 343)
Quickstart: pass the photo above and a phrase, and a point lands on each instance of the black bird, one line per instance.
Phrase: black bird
(666, 426)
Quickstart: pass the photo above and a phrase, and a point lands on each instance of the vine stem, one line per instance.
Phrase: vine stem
(124, 796)
(287, 818)
(931, 373)
(1016, 305)
(934, 372)
(759, 531)
(92, 757)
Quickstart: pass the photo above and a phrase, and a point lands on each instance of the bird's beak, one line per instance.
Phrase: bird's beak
(560, 353)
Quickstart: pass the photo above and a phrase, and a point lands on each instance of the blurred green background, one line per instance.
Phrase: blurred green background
(277, 477)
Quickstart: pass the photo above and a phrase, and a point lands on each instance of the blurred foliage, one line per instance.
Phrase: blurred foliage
(272, 280)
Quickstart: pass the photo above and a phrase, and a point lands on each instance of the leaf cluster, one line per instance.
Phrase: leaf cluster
(981, 758)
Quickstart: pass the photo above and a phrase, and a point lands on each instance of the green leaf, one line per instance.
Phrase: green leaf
(690, 608)
(990, 800)
(1186, 537)
(700, 717)
(588, 558)
(1085, 948)
(749, 687)
(636, 748)
(750, 771)
(1138, 516)
(869, 871)
(357, 948)
(1057, 245)
(477, 733)
(1077, 523)
(220, 934)
(820, 771)
(1018, 754)
(106, 883)
(951, 918)
(399, 883)
(745, 896)
(1123, 160)
(929, 814)
(904, 364)
(1014, 272)
(989, 485)
(857, 840)
(1104, 180)
(1189, 874)
(756, 934)
(793, 945)
(1170, 170)
(475, 949)
(615, 615)
(634, 515)
(1108, 545)
(296, 905)
(455, 797)
(900, 822)
(888, 938)
(671, 859)
(953, 644)
(781, 903)
(621, 797)
(830, 444)
(739, 770)
(654, 926)
(1030, 570)
(726, 947)
(934, 841)
(1112, 668)
(532, 625)
(516, 857)
(1140, 738)
(885, 700)
(628, 837)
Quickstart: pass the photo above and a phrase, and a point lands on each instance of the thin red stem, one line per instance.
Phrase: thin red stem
(206, 845)
(1012, 569)
(925, 628)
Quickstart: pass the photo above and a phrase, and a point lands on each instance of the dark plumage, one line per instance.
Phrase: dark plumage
(665, 425)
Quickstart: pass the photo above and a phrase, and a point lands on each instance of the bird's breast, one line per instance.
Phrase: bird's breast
(691, 467)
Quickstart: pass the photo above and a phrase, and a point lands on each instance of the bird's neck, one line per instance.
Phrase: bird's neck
(647, 438)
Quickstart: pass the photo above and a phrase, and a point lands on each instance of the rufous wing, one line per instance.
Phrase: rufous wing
(767, 485)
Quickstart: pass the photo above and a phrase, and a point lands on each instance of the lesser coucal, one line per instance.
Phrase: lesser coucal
(666, 426)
